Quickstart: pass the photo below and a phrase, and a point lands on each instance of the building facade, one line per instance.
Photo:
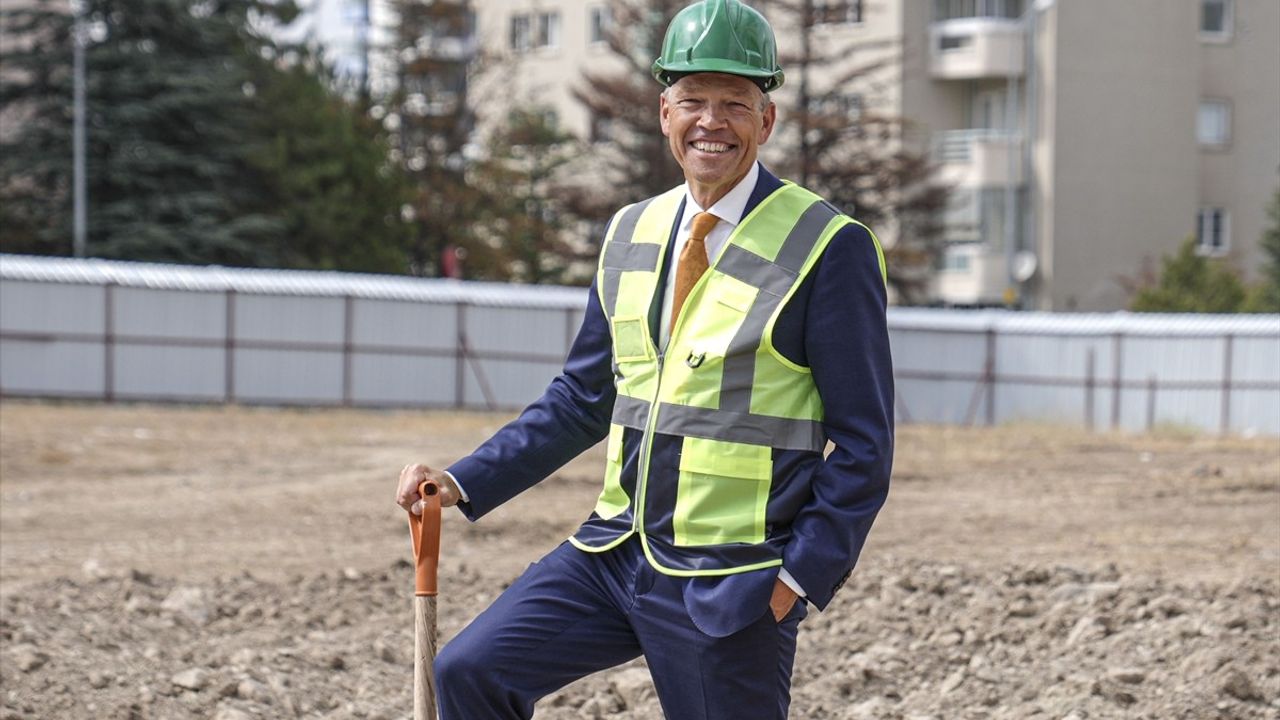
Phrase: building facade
(1117, 130)
(1083, 139)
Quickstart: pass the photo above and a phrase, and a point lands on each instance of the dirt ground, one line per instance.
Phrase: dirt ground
(227, 562)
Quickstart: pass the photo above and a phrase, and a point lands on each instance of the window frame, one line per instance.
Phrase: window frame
(599, 19)
(546, 30)
(963, 9)
(831, 13)
(1226, 107)
(520, 42)
(956, 258)
(1228, 22)
(1204, 221)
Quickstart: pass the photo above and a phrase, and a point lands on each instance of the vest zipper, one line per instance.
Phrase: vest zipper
(646, 445)
(646, 442)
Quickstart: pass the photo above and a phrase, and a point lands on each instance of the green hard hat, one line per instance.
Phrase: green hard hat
(719, 36)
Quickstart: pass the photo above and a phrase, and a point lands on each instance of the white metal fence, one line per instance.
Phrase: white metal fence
(125, 331)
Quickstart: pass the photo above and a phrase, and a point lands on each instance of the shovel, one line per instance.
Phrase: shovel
(425, 531)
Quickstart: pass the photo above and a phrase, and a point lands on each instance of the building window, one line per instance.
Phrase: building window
(956, 259)
(548, 32)
(960, 218)
(599, 24)
(834, 105)
(1213, 231)
(1213, 123)
(831, 12)
(978, 216)
(539, 30)
(521, 34)
(954, 9)
(1215, 19)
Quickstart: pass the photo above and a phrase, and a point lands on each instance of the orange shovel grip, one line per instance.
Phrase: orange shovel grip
(425, 530)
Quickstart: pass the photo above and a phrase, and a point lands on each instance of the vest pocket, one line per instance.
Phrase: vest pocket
(722, 492)
(631, 339)
(613, 499)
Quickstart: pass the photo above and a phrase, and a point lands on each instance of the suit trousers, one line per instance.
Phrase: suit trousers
(574, 613)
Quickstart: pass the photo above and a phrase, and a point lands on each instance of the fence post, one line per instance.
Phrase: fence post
(1089, 383)
(108, 342)
(1151, 403)
(1117, 384)
(570, 330)
(348, 332)
(459, 357)
(901, 404)
(991, 377)
(230, 355)
(1226, 382)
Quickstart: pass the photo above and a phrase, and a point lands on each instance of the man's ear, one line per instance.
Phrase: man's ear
(766, 128)
(664, 111)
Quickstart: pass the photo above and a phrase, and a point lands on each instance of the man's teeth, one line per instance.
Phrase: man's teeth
(711, 147)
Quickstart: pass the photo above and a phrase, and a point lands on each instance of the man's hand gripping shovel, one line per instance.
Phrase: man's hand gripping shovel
(425, 531)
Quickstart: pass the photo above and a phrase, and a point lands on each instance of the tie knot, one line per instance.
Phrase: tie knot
(702, 224)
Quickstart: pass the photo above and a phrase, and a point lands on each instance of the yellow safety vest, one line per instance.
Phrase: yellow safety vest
(721, 387)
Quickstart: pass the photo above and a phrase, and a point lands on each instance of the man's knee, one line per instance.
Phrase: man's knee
(461, 665)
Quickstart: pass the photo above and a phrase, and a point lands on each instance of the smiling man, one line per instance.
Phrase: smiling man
(734, 355)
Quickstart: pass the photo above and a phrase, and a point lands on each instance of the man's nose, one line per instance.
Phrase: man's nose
(712, 118)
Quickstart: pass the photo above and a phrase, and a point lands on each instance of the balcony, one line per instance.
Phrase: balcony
(973, 48)
(976, 158)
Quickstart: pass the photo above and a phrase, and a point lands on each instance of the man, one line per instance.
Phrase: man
(736, 324)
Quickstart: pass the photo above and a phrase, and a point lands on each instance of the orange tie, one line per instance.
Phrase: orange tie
(693, 261)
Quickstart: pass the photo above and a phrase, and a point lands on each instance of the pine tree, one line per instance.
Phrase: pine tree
(167, 110)
(35, 148)
(326, 173)
(1191, 283)
(1265, 296)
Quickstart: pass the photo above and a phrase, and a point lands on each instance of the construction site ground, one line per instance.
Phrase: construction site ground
(235, 562)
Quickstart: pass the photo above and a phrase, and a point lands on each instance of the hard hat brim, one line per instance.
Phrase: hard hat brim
(669, 73)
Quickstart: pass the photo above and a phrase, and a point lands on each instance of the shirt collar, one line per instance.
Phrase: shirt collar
(728, 208)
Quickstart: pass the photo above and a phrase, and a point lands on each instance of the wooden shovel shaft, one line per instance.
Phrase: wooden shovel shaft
(424, 680)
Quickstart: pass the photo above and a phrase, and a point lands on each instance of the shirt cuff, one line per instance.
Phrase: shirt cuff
(789, 581)
(462, 493)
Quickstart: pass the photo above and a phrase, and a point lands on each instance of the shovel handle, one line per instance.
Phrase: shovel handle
(424, 658)
(425, 530)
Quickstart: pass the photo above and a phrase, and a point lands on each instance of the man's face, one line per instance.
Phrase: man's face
(715, 125)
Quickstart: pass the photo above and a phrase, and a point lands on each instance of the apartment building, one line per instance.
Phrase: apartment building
(1117, 129)
(1083, 139)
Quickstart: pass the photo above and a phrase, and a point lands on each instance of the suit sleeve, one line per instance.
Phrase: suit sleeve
(571, 416)
(846, 344)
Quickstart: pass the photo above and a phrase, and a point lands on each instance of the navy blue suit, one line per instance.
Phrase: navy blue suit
(834, 324)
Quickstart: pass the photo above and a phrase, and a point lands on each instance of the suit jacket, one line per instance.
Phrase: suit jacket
(835, 325)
